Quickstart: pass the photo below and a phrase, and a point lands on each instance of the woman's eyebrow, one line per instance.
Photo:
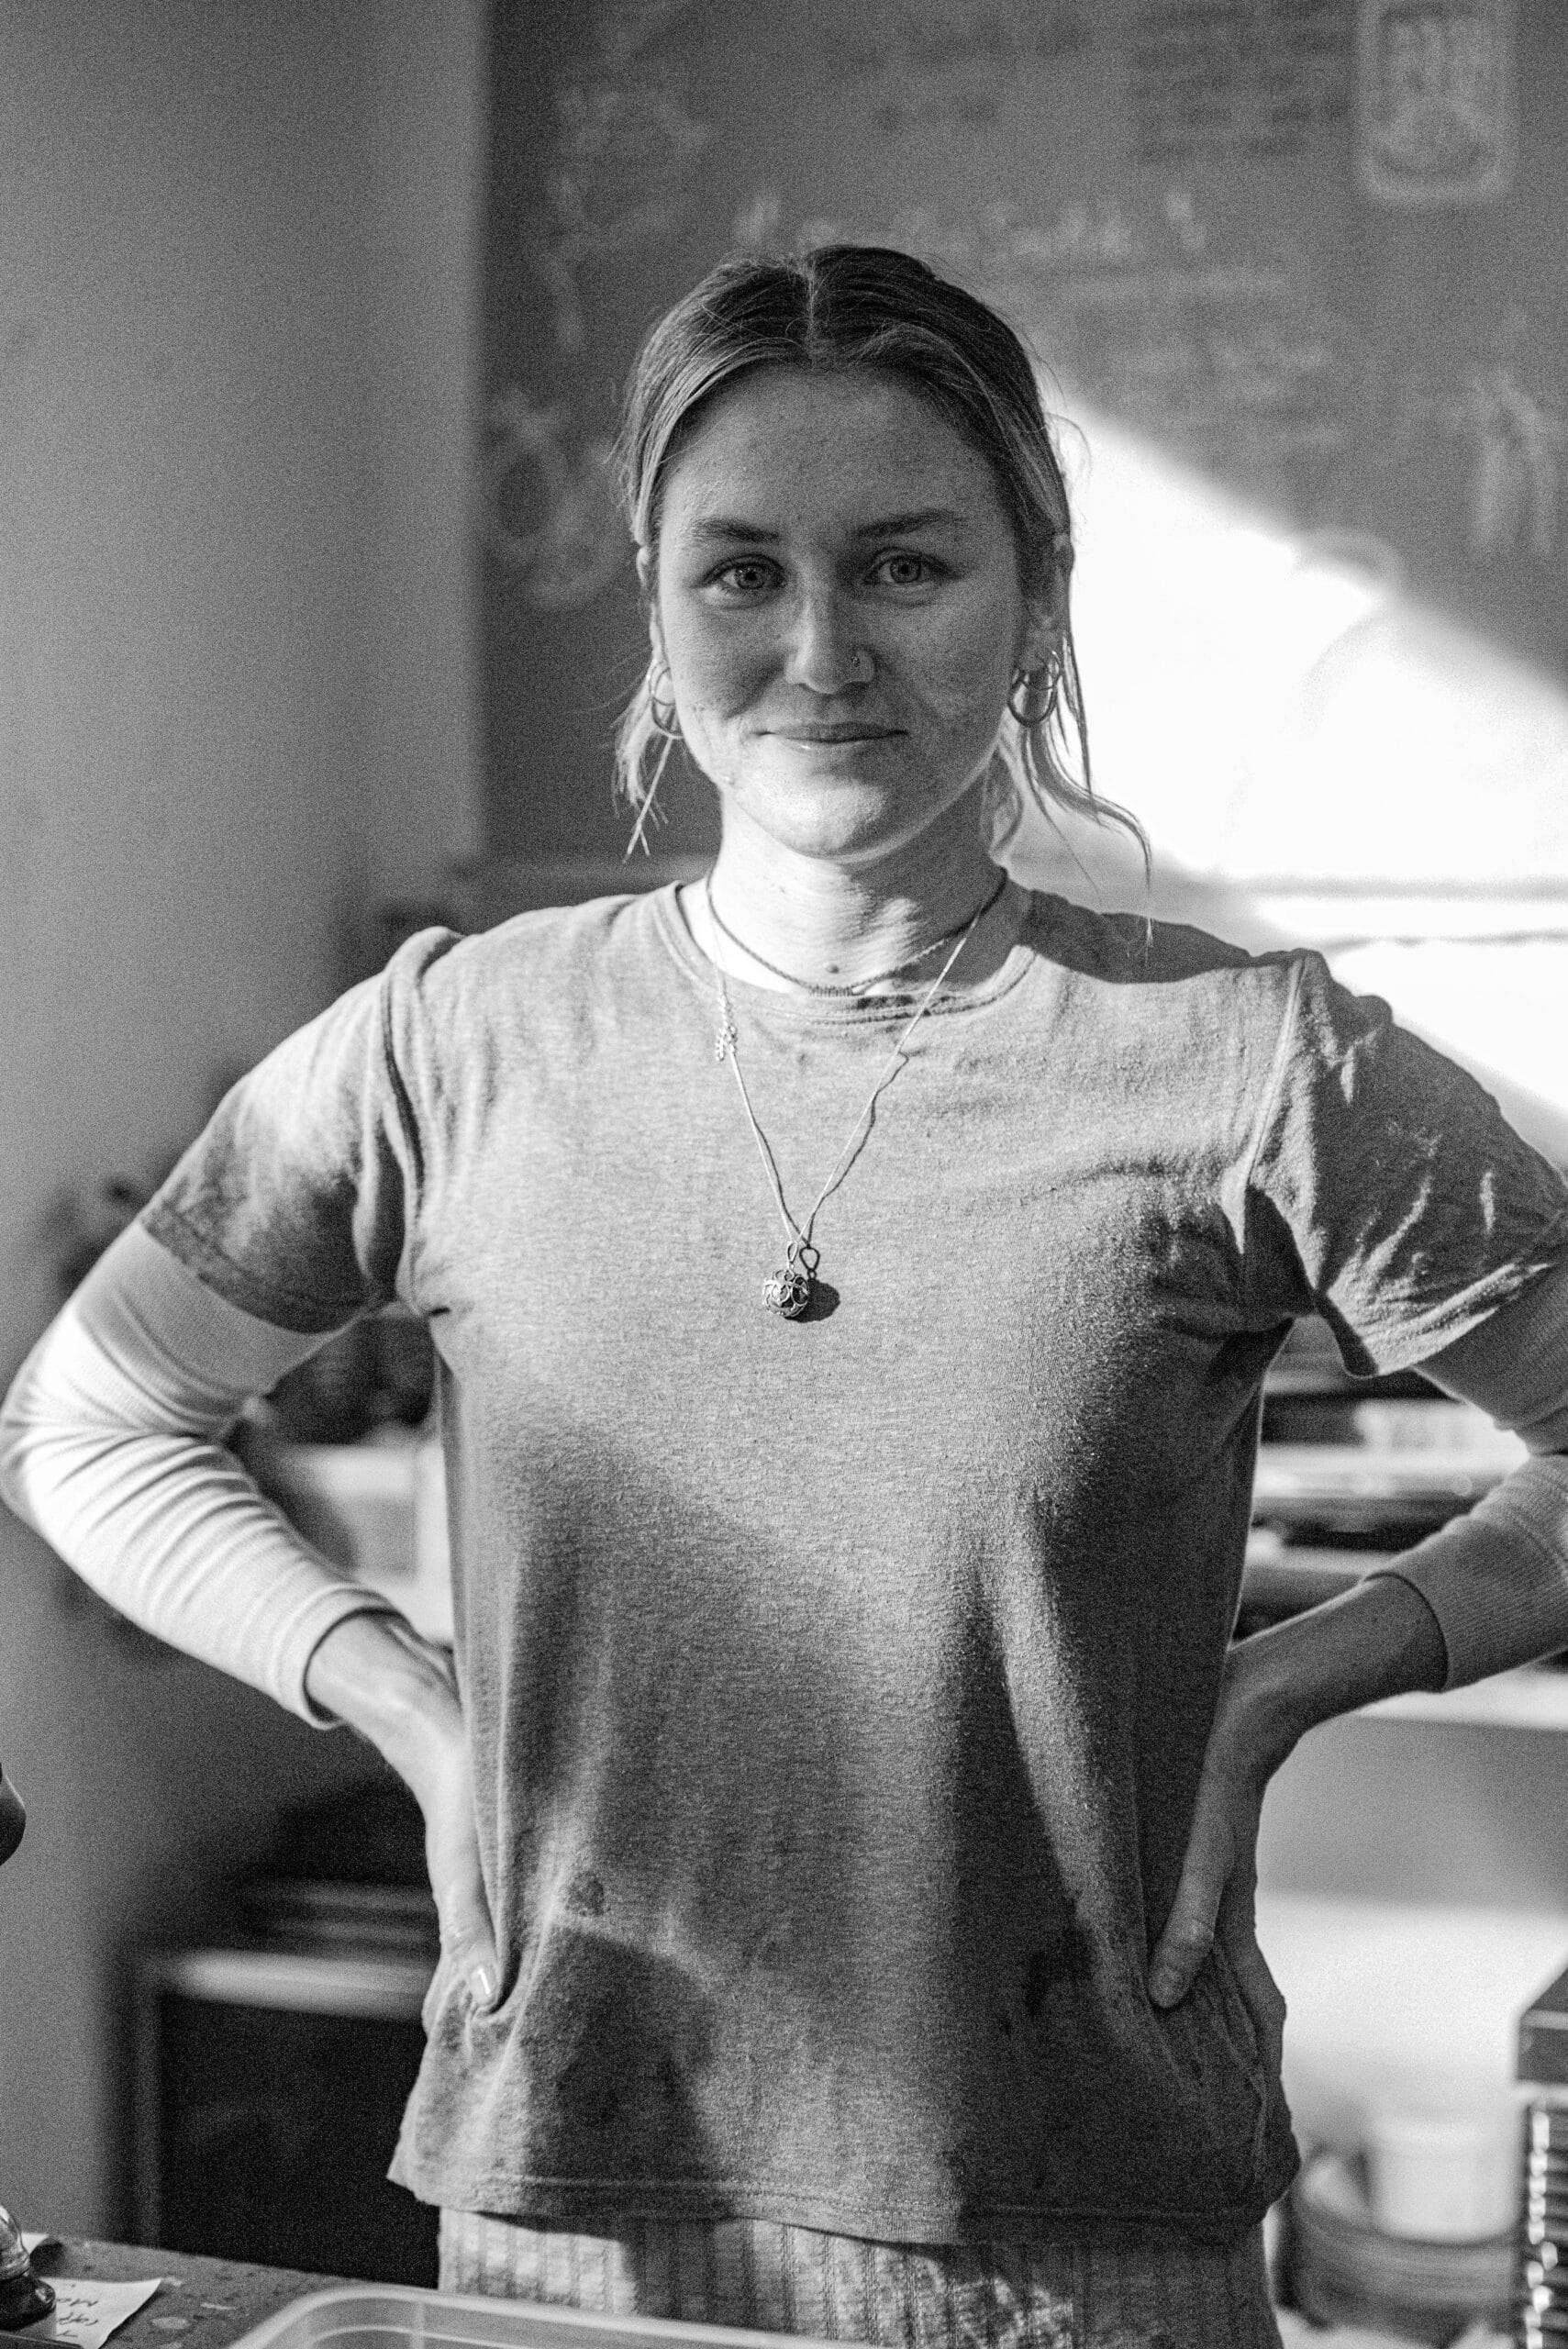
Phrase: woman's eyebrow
(883, 526)
(925, 518)
(725, 526)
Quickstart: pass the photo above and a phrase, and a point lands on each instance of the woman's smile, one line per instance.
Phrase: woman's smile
(804, 731)
(849, 741)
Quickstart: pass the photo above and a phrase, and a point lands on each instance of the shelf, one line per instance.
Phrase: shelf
(1296, 1477)
(299, 1982)
(1535, 1696)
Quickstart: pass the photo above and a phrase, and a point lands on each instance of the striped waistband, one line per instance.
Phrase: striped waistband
(775, 2279)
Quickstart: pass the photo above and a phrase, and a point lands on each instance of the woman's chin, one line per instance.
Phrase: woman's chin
(836, 836)
(838, 817)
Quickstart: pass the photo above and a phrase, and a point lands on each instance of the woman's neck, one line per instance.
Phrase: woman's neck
(829, 926)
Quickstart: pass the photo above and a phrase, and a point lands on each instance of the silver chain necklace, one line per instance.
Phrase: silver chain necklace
(788, 1290)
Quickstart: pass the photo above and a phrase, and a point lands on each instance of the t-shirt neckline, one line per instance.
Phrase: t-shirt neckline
(801, 1012)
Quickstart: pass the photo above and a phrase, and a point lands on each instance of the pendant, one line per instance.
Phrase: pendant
(787, 1292)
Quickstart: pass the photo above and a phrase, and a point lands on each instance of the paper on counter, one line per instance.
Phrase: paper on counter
(86, 2313)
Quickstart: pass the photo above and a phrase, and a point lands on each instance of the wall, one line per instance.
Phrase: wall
(416, 723)
(237, 251)
(1314, 353)
(1291, 275)
(1374, 1807)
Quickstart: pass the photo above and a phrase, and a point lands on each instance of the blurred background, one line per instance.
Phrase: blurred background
(316, 614)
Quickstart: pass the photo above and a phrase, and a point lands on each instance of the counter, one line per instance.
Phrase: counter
(203, 2304)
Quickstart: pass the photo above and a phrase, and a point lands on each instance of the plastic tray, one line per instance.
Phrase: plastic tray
(400, 2316)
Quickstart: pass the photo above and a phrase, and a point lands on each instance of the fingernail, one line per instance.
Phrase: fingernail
(1165, 1987)
(481, 1982)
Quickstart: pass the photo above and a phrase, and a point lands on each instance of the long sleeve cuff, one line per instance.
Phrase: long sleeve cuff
(1498, 1579)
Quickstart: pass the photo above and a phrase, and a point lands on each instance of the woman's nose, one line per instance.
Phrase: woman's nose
(824, 652)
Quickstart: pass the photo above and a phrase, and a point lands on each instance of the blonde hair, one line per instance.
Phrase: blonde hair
(842, 306)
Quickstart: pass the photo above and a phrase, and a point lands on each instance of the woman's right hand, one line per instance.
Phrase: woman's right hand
(374, 1673)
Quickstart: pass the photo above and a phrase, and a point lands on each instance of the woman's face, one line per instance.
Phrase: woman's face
(836, 598)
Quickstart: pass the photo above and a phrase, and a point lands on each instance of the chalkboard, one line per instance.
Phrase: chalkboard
(1303, 255)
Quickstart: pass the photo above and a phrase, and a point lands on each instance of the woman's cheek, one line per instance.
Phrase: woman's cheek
(967, 701)
(715, 699)
(965, 669)
(717, 671)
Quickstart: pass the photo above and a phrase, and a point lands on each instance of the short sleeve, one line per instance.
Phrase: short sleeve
(297, 1201)
(1389, 1193)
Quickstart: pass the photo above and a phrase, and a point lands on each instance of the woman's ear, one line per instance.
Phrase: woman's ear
(645, 572)
(1045, 623)
(1042, 639)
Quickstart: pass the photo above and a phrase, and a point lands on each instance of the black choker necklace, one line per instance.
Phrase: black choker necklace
(859, 986)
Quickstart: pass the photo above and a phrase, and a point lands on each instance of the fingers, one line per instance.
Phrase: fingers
(440, 1659)
(457, 1879)
(1188, 1934)
(469, 1941)
(1261, 1995)
(1178, 1957)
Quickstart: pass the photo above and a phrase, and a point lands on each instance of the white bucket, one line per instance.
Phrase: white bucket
(1451, 2178)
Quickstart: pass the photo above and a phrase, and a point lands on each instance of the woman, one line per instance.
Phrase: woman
(852, 1279)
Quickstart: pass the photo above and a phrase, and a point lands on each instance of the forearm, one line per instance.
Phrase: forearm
(171, 1533)
(1380, 1639)
(1498, 1579)
(109, 1447)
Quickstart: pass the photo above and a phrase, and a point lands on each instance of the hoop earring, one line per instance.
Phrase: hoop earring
(1027, 682)
(663, 716)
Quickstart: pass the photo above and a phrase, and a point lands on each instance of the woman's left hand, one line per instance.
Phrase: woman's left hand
(1217, 1892)
(1373, 1640)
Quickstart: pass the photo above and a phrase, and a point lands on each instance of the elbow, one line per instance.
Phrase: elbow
(36, 1414)
(21, 1426)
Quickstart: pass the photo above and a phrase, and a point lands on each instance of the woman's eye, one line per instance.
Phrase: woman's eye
(744, 578)
(905, 570)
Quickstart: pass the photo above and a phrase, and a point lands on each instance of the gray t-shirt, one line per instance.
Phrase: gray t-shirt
(837, 1689)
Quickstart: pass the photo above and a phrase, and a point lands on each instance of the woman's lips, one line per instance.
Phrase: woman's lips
(845, 733)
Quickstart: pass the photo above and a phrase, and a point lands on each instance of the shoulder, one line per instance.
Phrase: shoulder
(554, 940)
(547, 966)
(1150, 961)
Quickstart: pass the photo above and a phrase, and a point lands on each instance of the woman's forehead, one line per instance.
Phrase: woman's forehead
(830, 445)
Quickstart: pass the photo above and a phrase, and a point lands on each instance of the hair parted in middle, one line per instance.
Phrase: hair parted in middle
(839, 307)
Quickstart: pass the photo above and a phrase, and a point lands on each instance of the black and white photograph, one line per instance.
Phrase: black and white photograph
(783, 1173)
